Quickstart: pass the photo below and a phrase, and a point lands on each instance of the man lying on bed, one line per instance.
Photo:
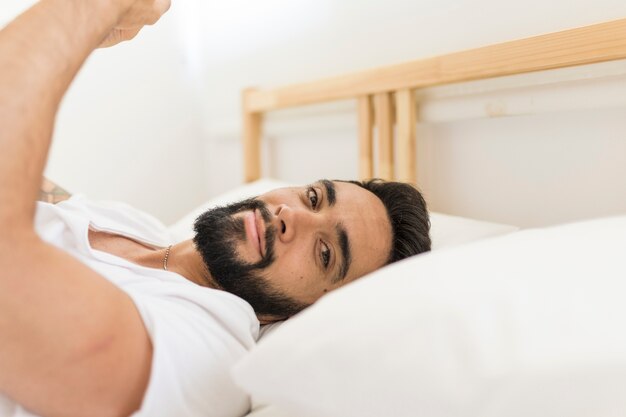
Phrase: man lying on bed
(99, 314)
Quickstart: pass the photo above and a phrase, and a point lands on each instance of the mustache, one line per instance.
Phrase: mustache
(223, 215)
(218, 232)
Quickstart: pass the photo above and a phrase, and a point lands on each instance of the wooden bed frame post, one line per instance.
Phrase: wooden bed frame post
(252, 128)
(597, 43)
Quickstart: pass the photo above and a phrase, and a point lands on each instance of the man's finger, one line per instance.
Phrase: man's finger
(146, 14)
(161, 7)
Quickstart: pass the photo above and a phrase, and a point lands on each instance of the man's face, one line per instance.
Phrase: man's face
(285, 249)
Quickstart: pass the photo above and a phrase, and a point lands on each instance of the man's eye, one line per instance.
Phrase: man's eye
(325, 255)
(312, 196)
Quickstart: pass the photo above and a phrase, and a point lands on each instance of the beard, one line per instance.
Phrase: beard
(216, 238)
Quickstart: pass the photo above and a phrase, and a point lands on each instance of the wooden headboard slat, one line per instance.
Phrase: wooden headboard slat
(366, 144)
(406, 115)
(590, 44)
(383, 109)
(252, 126)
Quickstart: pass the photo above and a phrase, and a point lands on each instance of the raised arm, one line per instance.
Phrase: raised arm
(71, 343)
(40, 53)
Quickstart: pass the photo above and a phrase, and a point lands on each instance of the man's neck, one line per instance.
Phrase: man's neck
(185, 260)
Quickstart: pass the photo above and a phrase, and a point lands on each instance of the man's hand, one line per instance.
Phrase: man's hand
(139, 14)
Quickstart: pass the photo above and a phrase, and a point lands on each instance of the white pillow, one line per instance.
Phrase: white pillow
(445, 230)
(528, 324)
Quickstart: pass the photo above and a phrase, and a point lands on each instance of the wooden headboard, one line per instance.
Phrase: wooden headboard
(386, 95)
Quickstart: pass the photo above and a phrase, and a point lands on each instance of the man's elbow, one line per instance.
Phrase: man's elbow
(119, 360)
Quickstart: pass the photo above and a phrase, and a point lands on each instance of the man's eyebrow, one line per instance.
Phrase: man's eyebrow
(342, 234)
(330, 192)
(346, 255)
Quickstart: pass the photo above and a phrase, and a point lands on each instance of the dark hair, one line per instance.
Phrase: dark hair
(407, 213)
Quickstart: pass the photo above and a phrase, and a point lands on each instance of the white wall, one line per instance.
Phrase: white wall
(157, 122)
(129, 129)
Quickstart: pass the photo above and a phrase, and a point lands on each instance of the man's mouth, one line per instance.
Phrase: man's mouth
(254, 230)
(260, 229)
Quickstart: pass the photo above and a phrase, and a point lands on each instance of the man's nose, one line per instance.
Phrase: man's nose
(293, 221)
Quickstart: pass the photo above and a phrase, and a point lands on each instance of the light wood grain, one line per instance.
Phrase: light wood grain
(590, 44)
(406, 114)
(252, 128)
(366, 151)
(384, 128)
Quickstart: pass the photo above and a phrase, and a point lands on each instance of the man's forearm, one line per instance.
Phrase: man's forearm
(40, 53)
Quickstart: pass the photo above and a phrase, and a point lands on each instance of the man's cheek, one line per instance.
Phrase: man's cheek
(298, 278)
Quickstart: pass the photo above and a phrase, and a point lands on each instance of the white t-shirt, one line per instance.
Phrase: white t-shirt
(197, 333)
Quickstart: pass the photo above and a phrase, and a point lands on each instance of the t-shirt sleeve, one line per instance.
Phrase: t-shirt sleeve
(194, 348)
